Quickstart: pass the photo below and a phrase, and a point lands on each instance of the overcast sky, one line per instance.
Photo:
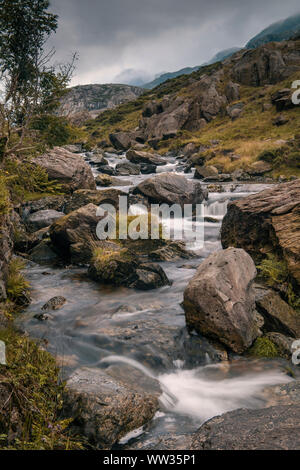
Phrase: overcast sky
(118, 40)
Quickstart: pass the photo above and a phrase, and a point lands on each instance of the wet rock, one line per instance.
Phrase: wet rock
(104, 410)
(55, 303)
(172, 251)
(274, 428)
(107, 170)
(147, 158)
(205, 172)
(43, 253)
(118, 266)
(278, 315)
(171, 189)
(42, 219)
(106, 180)
(219, 300)
(150, 276)
(267, 222)
(67, 168)
(127, 168)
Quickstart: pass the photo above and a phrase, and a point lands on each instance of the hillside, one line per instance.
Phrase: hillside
(234, 111)
(279, 31)
(222, 55)
(94, 99)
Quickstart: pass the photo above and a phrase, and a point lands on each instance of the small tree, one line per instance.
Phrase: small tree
(29, 85)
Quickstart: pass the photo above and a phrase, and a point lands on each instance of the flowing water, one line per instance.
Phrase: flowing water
(140, 337)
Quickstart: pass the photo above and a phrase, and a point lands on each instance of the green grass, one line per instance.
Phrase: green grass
(31, 398)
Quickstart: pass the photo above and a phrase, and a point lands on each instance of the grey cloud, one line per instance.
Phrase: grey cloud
(150, 36)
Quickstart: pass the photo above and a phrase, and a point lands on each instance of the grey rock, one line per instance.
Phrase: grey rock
(42, 219)
(219, 301)
(104, 410)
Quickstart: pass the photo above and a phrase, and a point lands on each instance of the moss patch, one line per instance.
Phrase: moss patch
(263, 347)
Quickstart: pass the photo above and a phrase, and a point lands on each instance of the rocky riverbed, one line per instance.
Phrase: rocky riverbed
(138, 377)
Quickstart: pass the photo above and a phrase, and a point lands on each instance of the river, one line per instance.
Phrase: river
(140, 337)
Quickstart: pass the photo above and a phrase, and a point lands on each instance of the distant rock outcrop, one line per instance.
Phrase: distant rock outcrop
(93, 99)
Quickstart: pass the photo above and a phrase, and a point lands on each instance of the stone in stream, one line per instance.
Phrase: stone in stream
(107, 180)
(127, 168)
(171, 189)
(267, 222)
(55, 303)
(147, 158)
(103, 410)
(118, 266)
(68, 169)
(219, 301)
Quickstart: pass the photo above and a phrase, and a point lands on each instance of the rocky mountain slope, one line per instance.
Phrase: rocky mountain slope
(93, 99)
(236, 114)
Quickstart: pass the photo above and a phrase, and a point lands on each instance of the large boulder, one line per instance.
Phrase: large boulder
(219, 301)
(121, 140)
(74, 235)
(69, 169)
(127, 168)
(171, 189)
(267, 222)
(104, 410)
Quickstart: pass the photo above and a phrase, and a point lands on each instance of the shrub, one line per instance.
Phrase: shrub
(26, 177)
(17, 287)
(55, 130)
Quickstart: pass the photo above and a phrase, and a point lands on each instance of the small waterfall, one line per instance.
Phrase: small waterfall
(208, 391)
(217, 209)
